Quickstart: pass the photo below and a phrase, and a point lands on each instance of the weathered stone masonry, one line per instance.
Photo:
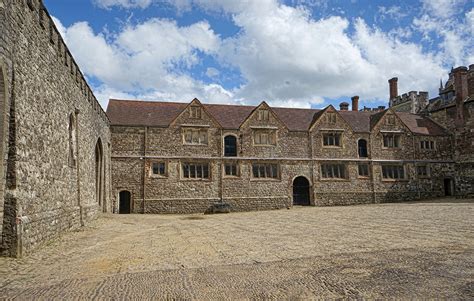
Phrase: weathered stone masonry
(51, 125)
(144, 133)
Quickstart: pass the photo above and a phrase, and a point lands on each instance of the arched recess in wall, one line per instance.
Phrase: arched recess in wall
(3, 106)
(99, 174)
(72, 140)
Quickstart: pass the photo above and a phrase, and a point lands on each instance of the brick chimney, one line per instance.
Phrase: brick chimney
(355, 103)
(460, 88)
(470, 81)
(344, 106)
(393, 84)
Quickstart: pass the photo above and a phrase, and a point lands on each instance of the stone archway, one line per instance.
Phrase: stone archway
(301, 191)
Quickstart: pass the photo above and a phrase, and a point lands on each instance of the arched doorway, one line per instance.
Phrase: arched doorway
(362, 146)
(230, 146)
(125, 202)
(99, 173)
(301, 195)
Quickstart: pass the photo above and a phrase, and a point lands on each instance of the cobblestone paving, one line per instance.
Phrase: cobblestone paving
(417, 250)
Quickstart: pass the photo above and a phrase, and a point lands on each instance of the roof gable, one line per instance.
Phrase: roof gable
(161, 114)
(194, 102)
(265, 106)
(329, 109)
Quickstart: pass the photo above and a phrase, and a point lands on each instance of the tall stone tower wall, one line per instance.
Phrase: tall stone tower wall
(54, 136)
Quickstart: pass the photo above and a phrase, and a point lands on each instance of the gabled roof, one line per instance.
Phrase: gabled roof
(421, 125)
(264, 105)
(161, 114)
(143, 113)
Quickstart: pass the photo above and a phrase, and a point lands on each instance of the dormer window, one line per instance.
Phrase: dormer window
(332, 139)
(391, 140)
(331, 118)
(263, 115)
(390, 120)
(192, 136)
(427, 145)
(264, 137)
(195, 112)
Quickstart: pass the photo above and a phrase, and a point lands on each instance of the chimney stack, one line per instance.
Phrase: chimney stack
(344, 106)
(460, 88)
(355, 103)
(393, 83)
(470, 81)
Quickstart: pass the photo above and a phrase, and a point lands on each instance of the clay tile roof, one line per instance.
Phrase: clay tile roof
(143, 113)
(229, 116)
(421, 125)
(359, 121)
(161, 114)
(296, 119)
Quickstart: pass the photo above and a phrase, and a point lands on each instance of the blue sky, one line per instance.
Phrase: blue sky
(297, 53)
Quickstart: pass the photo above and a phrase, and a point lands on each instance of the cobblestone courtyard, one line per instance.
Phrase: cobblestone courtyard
(423, 249)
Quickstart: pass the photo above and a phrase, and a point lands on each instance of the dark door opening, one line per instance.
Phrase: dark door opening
(124, 202)
(448, 187)
(301, 191)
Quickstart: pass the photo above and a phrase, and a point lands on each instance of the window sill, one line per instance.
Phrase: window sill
(332, 147)
(187, 144)
(158, 177)
(334, 179)
(230, 177)
(196, 180)
(395, 180)
(264, 180)
(363, 177)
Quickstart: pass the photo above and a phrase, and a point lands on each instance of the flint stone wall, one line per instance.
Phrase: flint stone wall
(45, 192)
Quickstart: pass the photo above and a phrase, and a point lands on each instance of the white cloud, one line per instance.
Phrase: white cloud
(442, 8)
(440, 20)
(123, 3)
(212, 72)
(284, 56)
(146, 60)
(394, 12)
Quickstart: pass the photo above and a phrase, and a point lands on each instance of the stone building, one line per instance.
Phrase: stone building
(182, 158)
(65, 160)
(54, 136)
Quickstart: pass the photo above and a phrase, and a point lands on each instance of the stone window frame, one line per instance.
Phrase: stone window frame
(224, 169)
(396, 141)
(326, 134)
(195, 112)
(159, 176)
(193, 130)
(197, 164)
(269, 132)
(394, 172)
(427, 145)
(367, 176)
(426, 173)
(390, 119)
(263, 115)
(331, 118)
(335, 168)
(237, 140)
(268, 168)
